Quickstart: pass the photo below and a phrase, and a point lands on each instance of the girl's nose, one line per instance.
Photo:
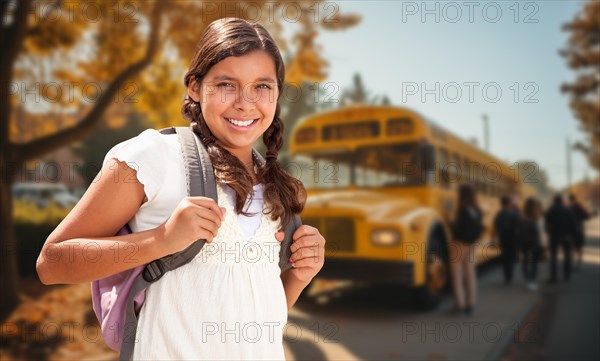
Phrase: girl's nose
(246, 99)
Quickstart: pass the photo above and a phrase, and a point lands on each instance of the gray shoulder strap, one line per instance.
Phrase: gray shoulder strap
(200, 182)
(286, 252)
(198, 164)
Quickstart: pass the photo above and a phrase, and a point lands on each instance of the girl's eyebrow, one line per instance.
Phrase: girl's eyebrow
(227, 77)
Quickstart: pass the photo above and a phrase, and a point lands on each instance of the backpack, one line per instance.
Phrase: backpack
(469, 226)
(528, 234)
(506, 223)
(118, 299)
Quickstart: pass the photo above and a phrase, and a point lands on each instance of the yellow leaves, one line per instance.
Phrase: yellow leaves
(338, 21)
(117, 46)
(117, 115)
(30, 213)
(184, 25)
(66, 75)
(25, 126)
(307, 65)
(583, 56)
(54, 321)
(302, 70)
(91, 42)
(52, 27)
(161, 93)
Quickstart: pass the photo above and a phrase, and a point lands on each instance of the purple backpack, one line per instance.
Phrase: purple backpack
(118, 299)
(109, 297)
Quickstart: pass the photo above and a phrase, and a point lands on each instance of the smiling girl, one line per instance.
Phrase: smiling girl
(231, 301)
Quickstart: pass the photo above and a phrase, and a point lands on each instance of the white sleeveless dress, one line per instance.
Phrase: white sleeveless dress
(226, 304)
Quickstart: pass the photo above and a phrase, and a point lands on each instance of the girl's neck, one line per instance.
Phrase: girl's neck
(250, 168)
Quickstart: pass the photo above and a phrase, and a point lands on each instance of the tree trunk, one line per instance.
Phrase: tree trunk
(11, 41)
(12, 155)
(8, 251)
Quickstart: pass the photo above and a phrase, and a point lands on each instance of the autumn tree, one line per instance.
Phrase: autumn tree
(357, 93)
(583, 56)
(530, 172)
(86, 57)
(305, 92)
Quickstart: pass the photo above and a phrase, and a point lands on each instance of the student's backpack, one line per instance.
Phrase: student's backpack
(506, 223)
(468, 226)
(528, 234)
(118, 299)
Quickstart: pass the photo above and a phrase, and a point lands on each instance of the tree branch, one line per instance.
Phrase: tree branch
(39, 147)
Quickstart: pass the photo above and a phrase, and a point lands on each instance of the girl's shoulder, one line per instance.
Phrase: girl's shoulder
(150, 154)
(151, 136)
(150, 144)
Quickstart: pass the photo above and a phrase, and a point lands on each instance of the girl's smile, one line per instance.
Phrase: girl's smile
(241, 124)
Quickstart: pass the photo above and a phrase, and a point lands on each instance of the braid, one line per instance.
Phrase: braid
(285, 194)
(273, 137)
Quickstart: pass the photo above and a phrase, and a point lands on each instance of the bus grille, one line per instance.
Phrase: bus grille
(338, 231)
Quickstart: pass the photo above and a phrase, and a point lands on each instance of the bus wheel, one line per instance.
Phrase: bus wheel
(437, 273)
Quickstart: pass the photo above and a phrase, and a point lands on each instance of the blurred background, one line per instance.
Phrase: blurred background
(389, 107)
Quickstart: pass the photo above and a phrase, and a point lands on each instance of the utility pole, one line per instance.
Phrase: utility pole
(568, 165)
(486, 133)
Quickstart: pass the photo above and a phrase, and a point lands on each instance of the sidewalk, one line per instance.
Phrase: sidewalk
(567, 316)
(375, 329)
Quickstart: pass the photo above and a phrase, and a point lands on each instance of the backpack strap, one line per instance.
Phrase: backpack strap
(200, 182)
(286, 252)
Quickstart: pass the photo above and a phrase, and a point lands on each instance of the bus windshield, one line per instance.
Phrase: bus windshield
(393, 165)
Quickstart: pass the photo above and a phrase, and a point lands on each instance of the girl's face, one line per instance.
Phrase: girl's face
(238, 98)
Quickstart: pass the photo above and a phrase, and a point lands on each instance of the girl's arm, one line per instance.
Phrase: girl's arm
(308, 257)
(78, 250)
(293, 287)
(82, 248)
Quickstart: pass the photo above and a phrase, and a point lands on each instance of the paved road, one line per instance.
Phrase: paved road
(370, 323)
(567, 316)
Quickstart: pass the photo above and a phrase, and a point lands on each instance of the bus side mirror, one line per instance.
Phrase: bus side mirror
(428, 157)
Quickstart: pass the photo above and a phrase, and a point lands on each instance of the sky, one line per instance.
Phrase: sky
(455, 61)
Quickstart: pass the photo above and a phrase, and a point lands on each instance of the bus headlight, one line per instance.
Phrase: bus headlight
(385, 237)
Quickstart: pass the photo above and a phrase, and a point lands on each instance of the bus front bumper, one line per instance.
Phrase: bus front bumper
(396, 272)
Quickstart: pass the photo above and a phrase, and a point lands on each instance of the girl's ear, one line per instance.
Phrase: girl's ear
(194, 90)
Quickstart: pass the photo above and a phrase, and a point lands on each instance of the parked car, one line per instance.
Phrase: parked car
(43, 193)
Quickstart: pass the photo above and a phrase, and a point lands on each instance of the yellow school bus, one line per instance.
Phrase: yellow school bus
(382, 188)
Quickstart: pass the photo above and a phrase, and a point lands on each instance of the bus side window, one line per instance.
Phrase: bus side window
(468, 171)
(443, 168)
(458, 175)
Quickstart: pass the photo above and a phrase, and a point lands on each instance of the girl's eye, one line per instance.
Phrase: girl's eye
(264, 86)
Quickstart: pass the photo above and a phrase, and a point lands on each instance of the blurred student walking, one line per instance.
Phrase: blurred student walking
(529, 240)
(466, 228)
(581, 215)
(541, 223)
(562, 229)
(505, 226)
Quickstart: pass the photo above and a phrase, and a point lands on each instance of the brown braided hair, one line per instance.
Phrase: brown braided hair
(284, 194)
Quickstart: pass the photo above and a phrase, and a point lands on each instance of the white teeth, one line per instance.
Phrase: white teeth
(240, 123)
